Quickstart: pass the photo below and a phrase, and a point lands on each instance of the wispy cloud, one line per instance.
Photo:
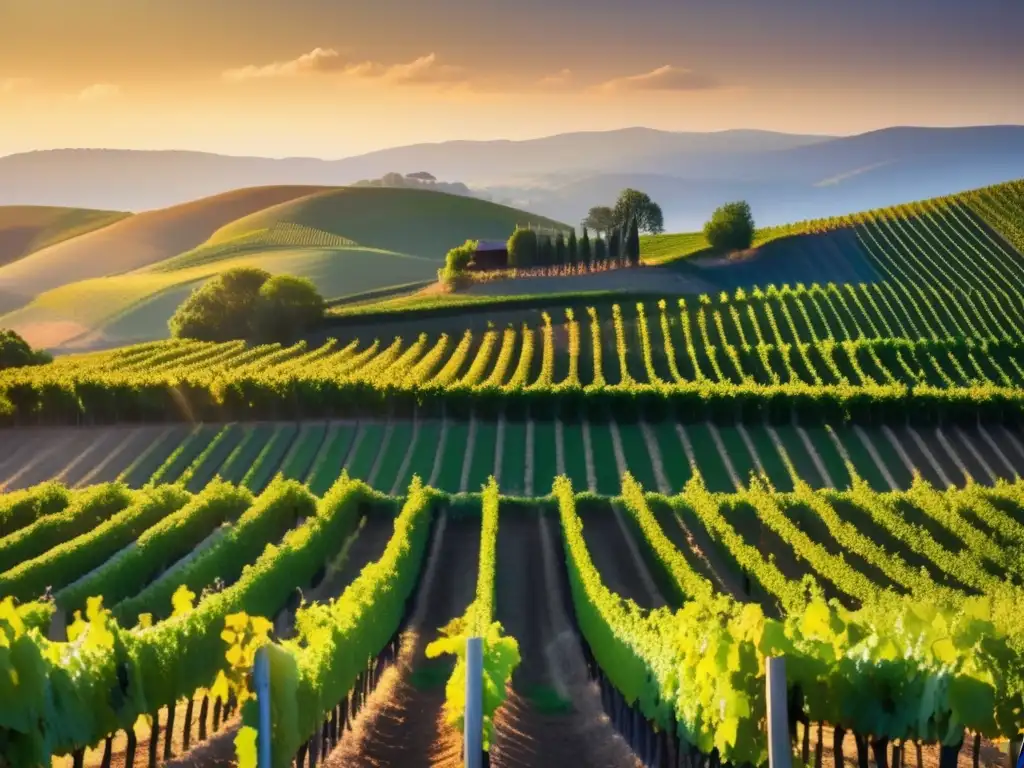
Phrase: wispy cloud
(318, 60)
(99, 92)
(426, 70)
(562, 79)
(666, 78)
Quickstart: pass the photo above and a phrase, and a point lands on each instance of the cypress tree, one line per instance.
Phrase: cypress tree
(560, 251)
(572, 250)
(633, 243)
(547, 252)
(614, 246)
(583, 251)
(600, 251)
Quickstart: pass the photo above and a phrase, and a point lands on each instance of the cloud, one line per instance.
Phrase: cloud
(666, 78)
(561, 79)
(319, 60)
(99, 91)
(426, 70)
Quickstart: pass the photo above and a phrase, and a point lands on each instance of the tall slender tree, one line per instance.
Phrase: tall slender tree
(572, 249)
(615, 245)
(600, 251)
(560, 250)
(547, 252)
(633, 243)
(584, 252)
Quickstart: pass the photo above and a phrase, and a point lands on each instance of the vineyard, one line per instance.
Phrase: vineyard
(634, 504)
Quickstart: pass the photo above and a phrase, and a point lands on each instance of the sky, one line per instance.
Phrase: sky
(334, 78)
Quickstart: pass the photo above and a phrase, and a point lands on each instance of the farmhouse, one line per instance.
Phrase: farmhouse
(489, 255)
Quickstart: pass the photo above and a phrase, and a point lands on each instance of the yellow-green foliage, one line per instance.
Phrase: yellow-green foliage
(500, 652)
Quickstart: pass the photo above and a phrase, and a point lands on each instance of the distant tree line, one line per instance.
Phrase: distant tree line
(419, 180)
(620, 246)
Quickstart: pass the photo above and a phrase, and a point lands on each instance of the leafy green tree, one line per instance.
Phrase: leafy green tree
(633, 243)
(572, 250)
(600, 251)
(223, 308)
(583, 252)
(560, 250)
(600, 218)
(523, 249)
(731, 227)
(287, 307)
(634, 204)
(15, 351)
(246, 303)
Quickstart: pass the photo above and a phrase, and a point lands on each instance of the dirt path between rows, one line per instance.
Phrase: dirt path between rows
(553, 715)
(400, 724)
(617, 556)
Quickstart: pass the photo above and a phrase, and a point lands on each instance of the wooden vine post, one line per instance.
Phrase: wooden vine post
(261, 682)
(473, 722)
(780, 753)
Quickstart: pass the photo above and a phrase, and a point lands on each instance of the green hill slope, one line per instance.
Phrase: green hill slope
(347, 241)
(410, 221)
(25, 229)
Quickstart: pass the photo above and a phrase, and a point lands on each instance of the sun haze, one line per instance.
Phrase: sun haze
(309, 77)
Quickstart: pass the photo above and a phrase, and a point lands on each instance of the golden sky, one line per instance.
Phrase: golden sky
(332, 78)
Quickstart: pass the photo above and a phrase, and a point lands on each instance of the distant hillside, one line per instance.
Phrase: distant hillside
(28, 228)
(346, 240)
(145, 180)
(785, 177)
(131, 243)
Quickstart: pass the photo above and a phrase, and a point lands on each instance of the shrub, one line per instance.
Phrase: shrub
(15, 351)
(457, 261)
(523, 249)
(731, 227)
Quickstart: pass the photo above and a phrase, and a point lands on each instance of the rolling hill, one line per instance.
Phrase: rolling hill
(133, 242)
(346, 240)
(784, 177)
(25, 229)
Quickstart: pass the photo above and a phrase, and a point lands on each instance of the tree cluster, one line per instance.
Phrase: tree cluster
(248, 303)
(528, 249)
(631, 206)
(16, 352)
